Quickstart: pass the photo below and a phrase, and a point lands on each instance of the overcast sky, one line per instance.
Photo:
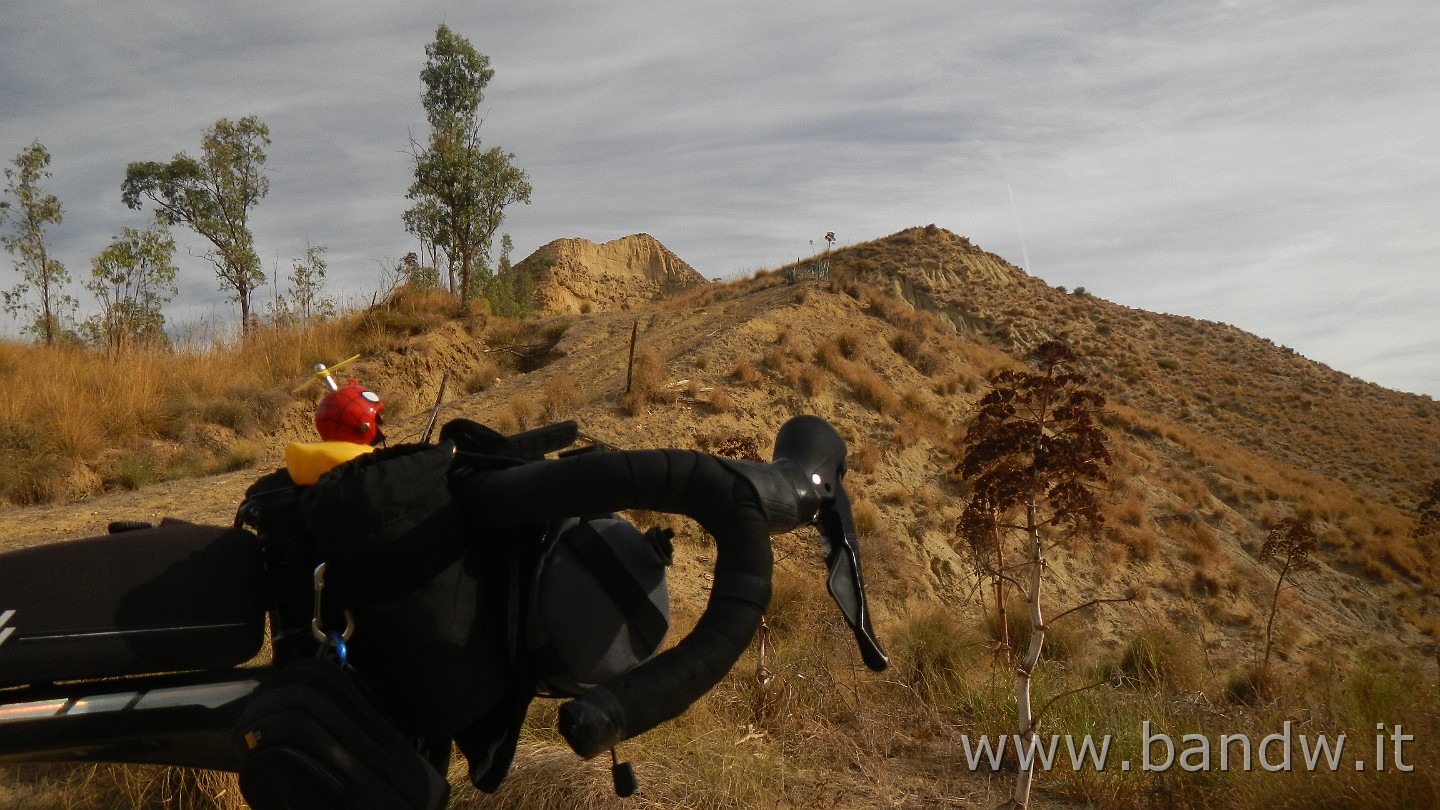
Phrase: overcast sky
(1272, 165)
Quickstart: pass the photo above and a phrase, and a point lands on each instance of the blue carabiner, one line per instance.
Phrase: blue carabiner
(337, 641)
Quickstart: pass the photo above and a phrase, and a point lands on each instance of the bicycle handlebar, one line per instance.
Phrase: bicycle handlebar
(740, 504)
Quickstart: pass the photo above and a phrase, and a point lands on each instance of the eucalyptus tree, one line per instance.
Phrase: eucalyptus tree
(39, 299)
(461, 187)
(306, 301)
(213, 196)
(132, 279)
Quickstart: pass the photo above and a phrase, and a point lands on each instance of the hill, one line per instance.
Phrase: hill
(576, 275)
(1216, 434)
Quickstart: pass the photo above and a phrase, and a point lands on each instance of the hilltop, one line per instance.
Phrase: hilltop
(1216, 434)
(577, 275)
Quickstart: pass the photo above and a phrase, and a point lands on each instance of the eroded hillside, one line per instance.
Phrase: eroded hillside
(576, 275)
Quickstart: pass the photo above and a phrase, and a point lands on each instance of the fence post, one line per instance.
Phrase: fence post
(630, 369)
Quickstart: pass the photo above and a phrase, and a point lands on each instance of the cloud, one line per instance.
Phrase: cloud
(1262, 163)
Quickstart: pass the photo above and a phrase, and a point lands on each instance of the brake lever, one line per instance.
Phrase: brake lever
(846, 584)
(810, 459)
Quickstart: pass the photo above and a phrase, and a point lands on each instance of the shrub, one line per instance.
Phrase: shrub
(129, 471)
(561, 397)
(865, 457)
(913, 349)
(1160, 657)
(408, 311)
(933, 655)
(720, 401)
(647, 382)
(1251, 686)
(872, 390)
(868, 520)
(527, 410)
(481, 377)
(746, 372)
(776, 360)
(813, 380)
(241, 455)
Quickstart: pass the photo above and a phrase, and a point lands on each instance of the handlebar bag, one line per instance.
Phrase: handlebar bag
(599, 605)
(429, 600)
(174, 597)
(311, 737)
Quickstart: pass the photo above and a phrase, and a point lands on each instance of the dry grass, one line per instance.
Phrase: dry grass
(720, 402)
(746, 373)
(810, 733)
(804, 728)
(481, 378)
(562, 397)
(647, 383)
(74, 420)
(49, 787)
(405, 313)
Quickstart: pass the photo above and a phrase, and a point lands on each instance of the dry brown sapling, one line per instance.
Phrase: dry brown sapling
(1035, 459)
(1292, 542)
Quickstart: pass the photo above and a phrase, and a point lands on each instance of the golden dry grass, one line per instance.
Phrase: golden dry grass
(76, 421)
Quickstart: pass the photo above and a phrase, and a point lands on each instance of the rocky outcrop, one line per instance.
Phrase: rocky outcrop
(577, 275)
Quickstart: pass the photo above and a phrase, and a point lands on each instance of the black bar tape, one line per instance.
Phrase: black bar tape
(676, 481)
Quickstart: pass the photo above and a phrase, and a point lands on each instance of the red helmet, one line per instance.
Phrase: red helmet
(350, 413)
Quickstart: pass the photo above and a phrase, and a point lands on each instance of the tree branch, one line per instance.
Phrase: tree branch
(1090, 604)
(1040, 714)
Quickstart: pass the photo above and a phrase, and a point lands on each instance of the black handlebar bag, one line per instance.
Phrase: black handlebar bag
(427, 603)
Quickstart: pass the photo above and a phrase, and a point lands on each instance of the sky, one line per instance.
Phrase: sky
(1271, 165)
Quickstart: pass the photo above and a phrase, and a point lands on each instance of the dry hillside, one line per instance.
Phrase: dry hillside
(1216, 434)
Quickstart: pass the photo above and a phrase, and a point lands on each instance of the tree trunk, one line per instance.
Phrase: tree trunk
(244, 312)
(1024, 711)
(1274, 603)
(45, 296)
(1000, 614)
(465, 278)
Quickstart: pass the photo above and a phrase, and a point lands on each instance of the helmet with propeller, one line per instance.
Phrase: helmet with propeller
(349, 412)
